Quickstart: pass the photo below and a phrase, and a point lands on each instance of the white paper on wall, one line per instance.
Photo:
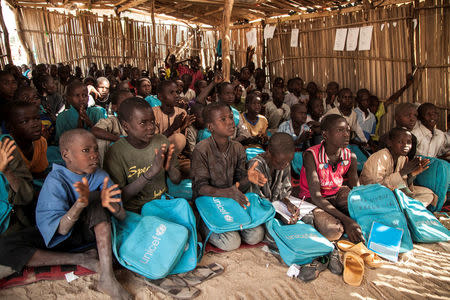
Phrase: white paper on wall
(415, 23)
(294, 37)
(365, 38)
(339, 40)
(382, 27)
(251, 37)
(352, 39)
(269, 31)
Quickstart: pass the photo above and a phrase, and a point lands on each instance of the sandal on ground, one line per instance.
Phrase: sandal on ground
(201, 274)
(353, 269)
(173, 286)
(370, 258)
(335, 266)
(311, 271)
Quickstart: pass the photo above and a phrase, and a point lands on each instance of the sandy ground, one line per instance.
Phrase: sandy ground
(423, 273)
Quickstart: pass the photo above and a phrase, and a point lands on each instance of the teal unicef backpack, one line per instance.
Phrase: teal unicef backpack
(5, 206)
(424, 226)
(224, 214)
(298, 243)
(148, 245)
(180, 212)
(437, 179)
(376, 203)
(181, 190)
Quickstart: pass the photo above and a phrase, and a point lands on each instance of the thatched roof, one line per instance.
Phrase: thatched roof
(200, 11)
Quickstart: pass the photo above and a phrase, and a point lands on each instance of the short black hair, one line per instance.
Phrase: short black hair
(252, 95)
(221, 87)
(402, 107)
(423, 107)
(311, 101)
(396, 131)
(297, 106)
(118, 94)
(73, 86)
(333, 83)
(210, 108)
(281, 142)
(23, 89)
(292, 81)
(164, 84)
(129, 105)
(41, 80)
(14, 106)
(329, 120)
(344, 90)
(67, 138)
(360, 92)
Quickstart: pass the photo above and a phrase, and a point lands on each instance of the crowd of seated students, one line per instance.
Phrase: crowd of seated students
(120, 132)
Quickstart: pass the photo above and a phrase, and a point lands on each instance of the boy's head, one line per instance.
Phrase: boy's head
(346, 98)
(199, 86)
(312, 88)
(135, 73)
(400, 141)
(137, 119)
(167, 92)
(197, 111)
(77, 95)
(245, 74)
(79, 150)
(103, 87)
(315, 108)
(260, 81)
(27, 94)
(374, 102)
(298, 113)
(406, 115)
(89, 81)
(8, 85)
(218, 118)
(335, 130)
(332, 88)
(280, 150)
(53, 71)
(277, 94)
(118, 97)
(46, 84)
(226, 93)
(180, 85)
(23, 121)
(238, 91)
(363, 99)
(253, 103)
(187, 80)
(278, 82)
(144, 87)
(428, 115)
(295, 85)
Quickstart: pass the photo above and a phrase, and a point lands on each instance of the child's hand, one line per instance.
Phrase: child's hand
(169, 157)
(93, 91)
(82, 188)
(306, 135)
(188, 121)
(7, 147)
(157, 163)
(235, 194)
(178, 122)
(423, 165)
(256, 177)
(218, 78)
(352, 229)
(108, 193)
(294, 210)
(410, 166)
(84, 117)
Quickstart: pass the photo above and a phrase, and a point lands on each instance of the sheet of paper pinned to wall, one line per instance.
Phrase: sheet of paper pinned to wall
(365, 38)
(352, 39)
(339, 41)
(269, 31)
(294, 37)
(251, 37)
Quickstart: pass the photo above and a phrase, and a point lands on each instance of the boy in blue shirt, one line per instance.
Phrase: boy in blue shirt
(70, 213)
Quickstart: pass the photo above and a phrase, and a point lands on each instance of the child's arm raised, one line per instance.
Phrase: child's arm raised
(70, 218)
(350, 226)
(104, 135)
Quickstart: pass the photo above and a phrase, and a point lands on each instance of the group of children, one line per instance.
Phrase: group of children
(122, 138)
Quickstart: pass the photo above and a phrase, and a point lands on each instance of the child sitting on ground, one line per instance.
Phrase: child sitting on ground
(109, 130)
(256, 124)
(322, 177)
(79, 115)
(391, 167)
(294, 86)
(171, 121)
(345, 109)
(297, 128)
(366, 119)
(431, 141)
(330, 99)
(274, 165)
(192, 130)
(144, 90)
(71, 213)
(8, 87)
(218, 170)
(24, 124)
(186, 92)
(315, 114)
(276, 111)
(139, 162)
(51, 100)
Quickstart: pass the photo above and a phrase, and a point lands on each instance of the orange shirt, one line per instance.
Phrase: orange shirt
(39, 162)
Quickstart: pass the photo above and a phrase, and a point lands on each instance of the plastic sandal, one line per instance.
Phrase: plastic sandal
(353, 269)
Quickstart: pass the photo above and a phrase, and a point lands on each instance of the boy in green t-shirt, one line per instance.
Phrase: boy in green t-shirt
(138, 163)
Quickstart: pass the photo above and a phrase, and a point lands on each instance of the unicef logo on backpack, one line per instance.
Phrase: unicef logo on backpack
(223, 211)
(228, 218)
(161, 229)
(154, 244)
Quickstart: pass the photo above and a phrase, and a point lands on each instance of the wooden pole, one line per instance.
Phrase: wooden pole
(5, 36)
(153, 54)
(19, 21)
(226, 62)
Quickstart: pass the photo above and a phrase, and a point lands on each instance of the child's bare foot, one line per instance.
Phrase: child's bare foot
(112, 287)
(89, 260)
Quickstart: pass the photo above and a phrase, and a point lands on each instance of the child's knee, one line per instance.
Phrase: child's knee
(179, 140)
(254, 235)
(227, 241)
(327, 225)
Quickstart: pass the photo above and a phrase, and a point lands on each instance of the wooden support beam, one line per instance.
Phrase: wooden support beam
(153, 54)
(226, 59)
(131, 5)
(207, 14)
(5, 36)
